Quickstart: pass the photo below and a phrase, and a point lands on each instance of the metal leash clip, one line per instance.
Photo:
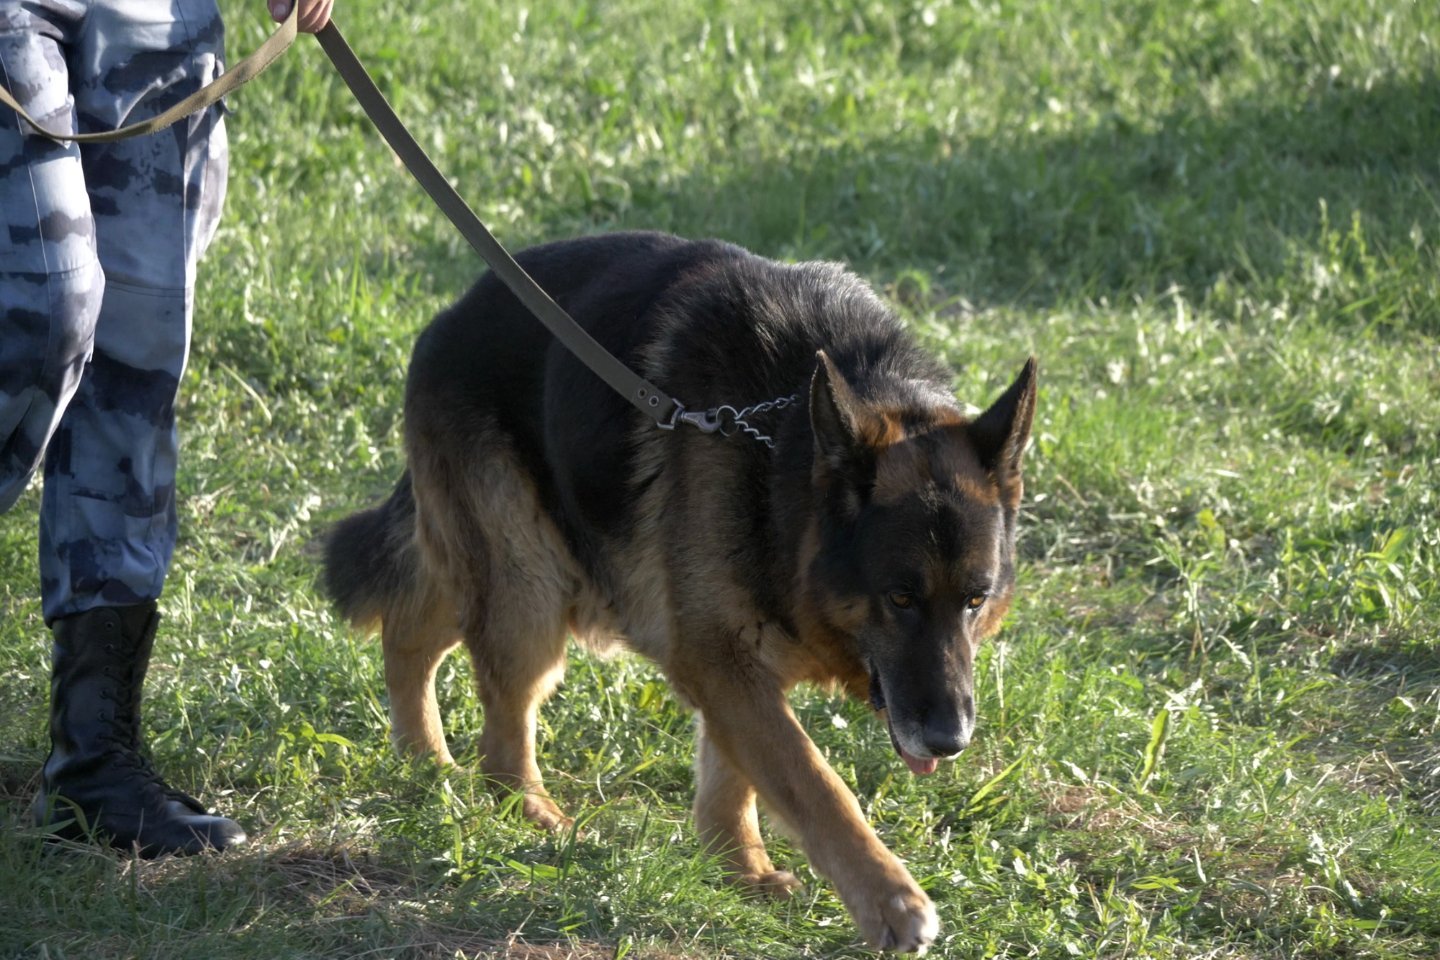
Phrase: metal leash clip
(704, 421)
(726, 420)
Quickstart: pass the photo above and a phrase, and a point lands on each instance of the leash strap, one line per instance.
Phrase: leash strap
(206, 96)
(642, 394)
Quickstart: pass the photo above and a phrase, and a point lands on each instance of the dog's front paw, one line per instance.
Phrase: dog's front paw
(543, 812)
(901, 919)
(774, 884)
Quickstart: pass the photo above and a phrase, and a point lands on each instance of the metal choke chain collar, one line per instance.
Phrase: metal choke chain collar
(727, 420)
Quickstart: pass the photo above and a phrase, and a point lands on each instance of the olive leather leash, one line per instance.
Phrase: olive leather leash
(639, 392)
(208, 95)
(645, 396)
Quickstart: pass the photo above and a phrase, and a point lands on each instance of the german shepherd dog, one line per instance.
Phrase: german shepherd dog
(872, 548)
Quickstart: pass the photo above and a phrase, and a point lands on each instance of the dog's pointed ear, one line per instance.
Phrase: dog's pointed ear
(832, 413)
(1002, 431)
(835, 418)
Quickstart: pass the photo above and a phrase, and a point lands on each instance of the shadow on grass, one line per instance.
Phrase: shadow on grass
(1396, 684)
(1108, 210)
(1115, 208)
(315, 901)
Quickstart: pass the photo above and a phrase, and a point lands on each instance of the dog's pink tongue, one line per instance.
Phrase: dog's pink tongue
(921, 768)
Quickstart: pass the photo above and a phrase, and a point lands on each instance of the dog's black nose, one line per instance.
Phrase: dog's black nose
(946, 737)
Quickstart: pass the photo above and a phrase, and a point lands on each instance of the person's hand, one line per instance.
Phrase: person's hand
(314, 14)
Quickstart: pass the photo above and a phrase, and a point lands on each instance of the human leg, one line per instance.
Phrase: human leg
(108, 519)
(51, 283)
(108, 522)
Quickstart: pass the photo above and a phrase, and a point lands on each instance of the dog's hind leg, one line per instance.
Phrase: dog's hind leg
(514, 618)
(518, 649)
(489, 542)
(729, 827)
(415, 641)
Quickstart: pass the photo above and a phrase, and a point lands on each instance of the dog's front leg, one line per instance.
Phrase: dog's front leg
(748, 720)
(728, 825)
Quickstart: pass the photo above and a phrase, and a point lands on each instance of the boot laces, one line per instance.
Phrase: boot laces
(124, 735)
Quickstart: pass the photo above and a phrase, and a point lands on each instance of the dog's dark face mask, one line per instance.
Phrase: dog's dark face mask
(918, 516)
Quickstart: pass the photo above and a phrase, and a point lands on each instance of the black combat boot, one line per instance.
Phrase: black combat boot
(96, 781)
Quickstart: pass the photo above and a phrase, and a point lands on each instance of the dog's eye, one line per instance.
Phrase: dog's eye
(975, 602)
(902, 600)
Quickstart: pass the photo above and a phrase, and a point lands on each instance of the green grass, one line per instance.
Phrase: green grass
(1210, 726)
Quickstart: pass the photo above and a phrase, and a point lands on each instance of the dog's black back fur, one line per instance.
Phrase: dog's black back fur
(712, 324)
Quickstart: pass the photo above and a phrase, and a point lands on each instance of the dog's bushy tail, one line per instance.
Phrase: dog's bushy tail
(372, 563)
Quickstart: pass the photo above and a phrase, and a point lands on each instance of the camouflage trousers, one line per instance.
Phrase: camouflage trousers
(98, 248)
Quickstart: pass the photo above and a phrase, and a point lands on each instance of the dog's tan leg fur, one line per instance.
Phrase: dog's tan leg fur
(748, 719)
(518, 661)
(483, 534)
(728, 824)
(415, 642)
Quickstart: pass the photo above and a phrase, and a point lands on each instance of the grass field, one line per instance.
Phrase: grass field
(1211, 726)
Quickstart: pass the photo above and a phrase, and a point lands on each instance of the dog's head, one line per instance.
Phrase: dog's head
(916, 545)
